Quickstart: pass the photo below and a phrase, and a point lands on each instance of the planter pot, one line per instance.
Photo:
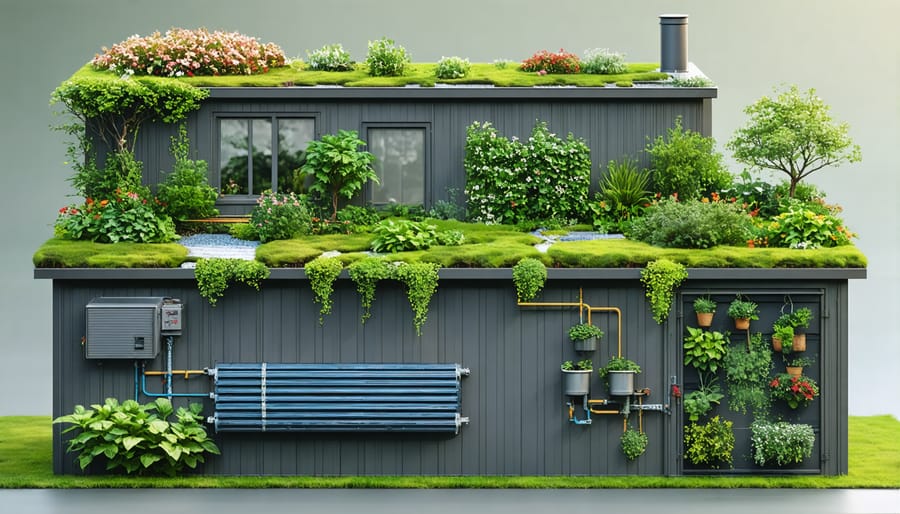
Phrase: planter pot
(621, 383)
(794, 371)
(799, 342)
(576, 382)
(704, 319)
(776, 344)
(742, 323)
(585, 345)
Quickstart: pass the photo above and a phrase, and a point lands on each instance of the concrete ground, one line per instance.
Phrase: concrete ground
(468, 501)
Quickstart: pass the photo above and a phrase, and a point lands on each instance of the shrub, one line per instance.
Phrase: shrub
(710, 443)
(124, 218)
(121, 172)
(510, 182)
(451, 238)
(685, 162)
(803, 228)
(358, 217)
(448, 209)
(183, 52)
(758, 197)
(452, 68)
(186, 193)
(402, 235)
(386, 59)
(602, 61)
(330, 58)
(244, 231)
(549, 62)
(338, 167)
(215, 275)
(140, 439)
(623, 194)
(781, 443)
(692, 224)
(279, 216)
(633, 443)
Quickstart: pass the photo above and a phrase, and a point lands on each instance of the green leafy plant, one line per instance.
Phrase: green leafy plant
(360, 218)
(633, 443)
(799, 362)
(704, 304)
(624, 191)
(781, 443)
(452, 68)
(804, 228)
(582, 365)
(697, 81)
(747, 371)
(386, 59)
(785, 334)
(330, 58)
(448, 209)
(795, 391)
(743, 309)
(619, 364)
(421, 280)
(214, 275)
(660, 278)
(710, 443)
(704, 350)
(692, 224)
(322, 272)
(602, 61)
(139, 439)
(686, 162)
(279, 216)
(126, 217)
(698, 403)
(584, 331)
(186, 193)
(529, 277)
(508, 181)
(793, 133)
(451, 237)
(338, 167)
(403, 235)
(366, 273)
(121, 172)
(244, 231)
(544, 62)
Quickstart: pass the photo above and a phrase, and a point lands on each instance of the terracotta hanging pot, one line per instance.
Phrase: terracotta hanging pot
(704, 319)
(794, 371)
(799, 342)
(776, 344)
(742, 323)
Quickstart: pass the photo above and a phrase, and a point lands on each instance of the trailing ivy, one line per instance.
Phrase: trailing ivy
(421, 279)
(322, 272)
(366, 273)
(215, 275)
(660, 278)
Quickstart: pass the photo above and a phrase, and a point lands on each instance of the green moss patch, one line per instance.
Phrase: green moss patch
(421, 74)
(61, 253)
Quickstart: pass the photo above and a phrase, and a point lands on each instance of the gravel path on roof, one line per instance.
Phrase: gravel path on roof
(218, 245)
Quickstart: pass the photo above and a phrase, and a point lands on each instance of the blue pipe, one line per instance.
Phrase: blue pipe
(587, 412)
(137, 391)
(167, 394)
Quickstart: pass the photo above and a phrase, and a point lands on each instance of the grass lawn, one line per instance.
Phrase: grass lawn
(25, 462)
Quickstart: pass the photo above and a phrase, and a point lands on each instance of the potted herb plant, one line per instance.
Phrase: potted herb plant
(798, 320)
(783, 339)
(585, 336)
(705, 309)
(577, 377)
(742, 311)
(633, 443)
(795, 391)
(620, 373)
(794, 367)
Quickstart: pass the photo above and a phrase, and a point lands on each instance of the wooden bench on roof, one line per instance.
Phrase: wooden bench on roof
(221, 219)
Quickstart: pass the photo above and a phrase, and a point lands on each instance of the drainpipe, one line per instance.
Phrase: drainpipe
(673, 39)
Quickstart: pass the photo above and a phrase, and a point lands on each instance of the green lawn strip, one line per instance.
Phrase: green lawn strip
(623, 253)
(874, 441)
(421, 74)
(61, 253)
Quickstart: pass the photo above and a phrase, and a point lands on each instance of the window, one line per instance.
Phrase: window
(246, 146)
(399, 163)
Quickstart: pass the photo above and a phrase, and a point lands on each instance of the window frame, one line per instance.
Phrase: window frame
(425, 126)
(273, 118)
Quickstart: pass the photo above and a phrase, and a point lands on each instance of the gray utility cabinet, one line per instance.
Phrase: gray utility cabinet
(129, 327)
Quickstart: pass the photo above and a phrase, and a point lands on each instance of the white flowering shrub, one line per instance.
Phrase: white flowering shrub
(329, 58)
(452, 68)
(386, 58)
(781, 443)
(602, 61)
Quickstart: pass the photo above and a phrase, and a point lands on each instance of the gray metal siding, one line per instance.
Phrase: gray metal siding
(513, 396)
(612, 127)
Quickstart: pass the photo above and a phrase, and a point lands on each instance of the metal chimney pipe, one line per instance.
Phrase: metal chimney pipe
(673, 43)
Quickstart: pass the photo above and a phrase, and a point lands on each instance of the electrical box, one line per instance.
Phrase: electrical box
(129, 327)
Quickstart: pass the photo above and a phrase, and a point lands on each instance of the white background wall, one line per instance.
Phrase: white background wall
(848, 51)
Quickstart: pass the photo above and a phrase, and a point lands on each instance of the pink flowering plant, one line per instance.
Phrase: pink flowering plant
(184, 52)
(544, 62)
(279, 216)
(795, 391)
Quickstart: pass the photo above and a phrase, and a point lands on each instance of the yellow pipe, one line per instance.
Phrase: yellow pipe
(581, 308)
(594, 411)
(186, 372)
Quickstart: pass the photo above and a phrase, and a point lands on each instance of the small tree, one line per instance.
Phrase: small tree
(793, 133)
(337, 166)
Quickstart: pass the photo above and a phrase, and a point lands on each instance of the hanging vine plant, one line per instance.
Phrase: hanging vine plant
(214, 275)
(421, 280)
(366, 273)
(747, 376)
(660, 278)
(322, 272)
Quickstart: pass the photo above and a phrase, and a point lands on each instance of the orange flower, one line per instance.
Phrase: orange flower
(103, 202)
